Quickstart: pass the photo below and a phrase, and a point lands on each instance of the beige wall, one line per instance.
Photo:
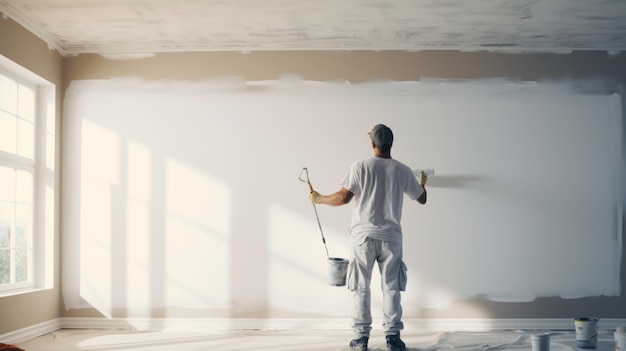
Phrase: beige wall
(352, 66)
(23, 47)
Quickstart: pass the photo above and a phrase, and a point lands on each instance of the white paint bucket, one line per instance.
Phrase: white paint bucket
(337, 271)
(540, 342)
(586, 332)
(620, 339)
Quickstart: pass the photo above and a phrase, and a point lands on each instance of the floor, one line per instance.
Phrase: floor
(292, 340)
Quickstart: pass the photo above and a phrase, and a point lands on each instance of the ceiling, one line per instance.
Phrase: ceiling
(149, 26)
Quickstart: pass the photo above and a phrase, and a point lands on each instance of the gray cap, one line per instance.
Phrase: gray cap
(381, 135)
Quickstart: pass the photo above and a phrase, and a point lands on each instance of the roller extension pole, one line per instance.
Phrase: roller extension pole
(319, 224)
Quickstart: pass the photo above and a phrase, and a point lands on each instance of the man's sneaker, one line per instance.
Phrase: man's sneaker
(394, 343)
(359, 344)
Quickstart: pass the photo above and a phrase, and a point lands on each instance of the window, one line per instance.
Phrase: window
(26, 179)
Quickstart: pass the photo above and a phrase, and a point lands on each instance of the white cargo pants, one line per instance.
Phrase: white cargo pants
(393, 281)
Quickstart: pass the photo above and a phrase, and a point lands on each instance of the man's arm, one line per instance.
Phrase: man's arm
(341, 197)
(421, 180)
(422, 198)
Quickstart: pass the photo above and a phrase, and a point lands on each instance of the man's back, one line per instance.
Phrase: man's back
(379, 185)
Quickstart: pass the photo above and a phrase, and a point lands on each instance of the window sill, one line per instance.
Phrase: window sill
(22, 291)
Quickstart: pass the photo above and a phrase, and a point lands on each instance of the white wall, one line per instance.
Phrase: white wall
(185, 195)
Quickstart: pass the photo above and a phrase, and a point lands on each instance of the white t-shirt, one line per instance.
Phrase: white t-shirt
(379, 185)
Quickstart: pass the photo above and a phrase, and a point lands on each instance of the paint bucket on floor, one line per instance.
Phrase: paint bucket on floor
(620, 339)
(586, 332)
(540, 342)
(337, 271)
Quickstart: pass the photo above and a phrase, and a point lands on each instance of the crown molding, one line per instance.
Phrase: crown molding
(33, 27)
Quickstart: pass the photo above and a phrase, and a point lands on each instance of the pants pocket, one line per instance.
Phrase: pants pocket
(353, 276)
(402, 278)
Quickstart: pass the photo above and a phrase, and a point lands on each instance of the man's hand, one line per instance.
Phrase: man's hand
(314, 196)
(422, 179)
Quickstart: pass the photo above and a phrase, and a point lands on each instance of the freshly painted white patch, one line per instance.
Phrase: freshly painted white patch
(527, 189)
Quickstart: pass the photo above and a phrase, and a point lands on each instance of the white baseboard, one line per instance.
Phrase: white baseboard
(200, 324)
(31, 332)
(461, 324)
(155, 324)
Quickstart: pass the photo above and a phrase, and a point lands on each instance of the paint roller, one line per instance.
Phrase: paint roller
(429, 172)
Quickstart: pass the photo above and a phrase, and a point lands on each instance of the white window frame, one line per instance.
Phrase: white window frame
(42, 167)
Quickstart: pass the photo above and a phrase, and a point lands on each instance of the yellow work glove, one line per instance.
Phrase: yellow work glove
(315, 197)
(422, 179)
